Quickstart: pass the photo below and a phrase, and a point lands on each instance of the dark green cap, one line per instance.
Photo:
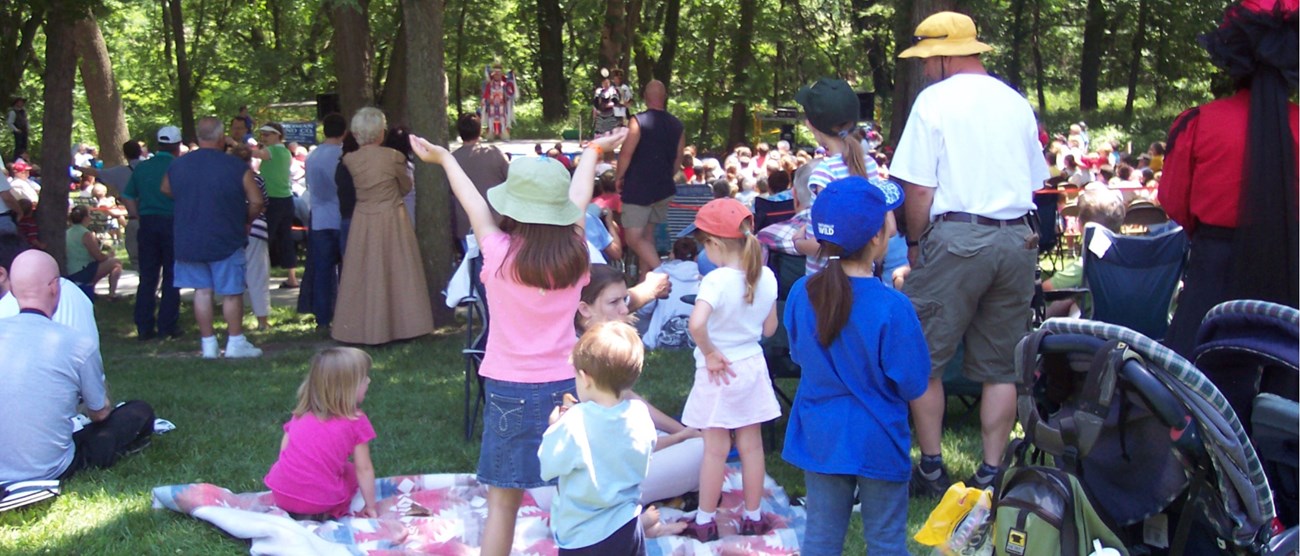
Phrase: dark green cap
(828, 103)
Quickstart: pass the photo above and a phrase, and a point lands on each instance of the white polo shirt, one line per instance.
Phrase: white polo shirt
(975, 140)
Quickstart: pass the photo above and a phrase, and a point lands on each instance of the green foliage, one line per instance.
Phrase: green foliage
(266, 51)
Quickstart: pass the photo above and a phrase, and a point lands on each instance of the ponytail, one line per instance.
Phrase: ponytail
(752, 259)
(854, 158)
(831, 295)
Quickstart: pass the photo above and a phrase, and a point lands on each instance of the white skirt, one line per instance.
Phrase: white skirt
(747, 400)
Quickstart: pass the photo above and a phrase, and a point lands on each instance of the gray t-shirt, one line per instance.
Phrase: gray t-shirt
(45, 372)
(321, 165)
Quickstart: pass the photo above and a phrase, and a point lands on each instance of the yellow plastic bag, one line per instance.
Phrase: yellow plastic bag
(953, 507)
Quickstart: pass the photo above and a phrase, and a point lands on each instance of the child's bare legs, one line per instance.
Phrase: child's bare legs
(499, 530)
(717, 443)
(749, 443)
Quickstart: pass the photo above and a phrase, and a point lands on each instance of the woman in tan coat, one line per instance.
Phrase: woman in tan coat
(382, 293)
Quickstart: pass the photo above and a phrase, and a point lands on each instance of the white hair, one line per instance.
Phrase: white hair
(368, 125)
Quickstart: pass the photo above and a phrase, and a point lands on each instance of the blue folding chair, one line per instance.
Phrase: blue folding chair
(1133, 278)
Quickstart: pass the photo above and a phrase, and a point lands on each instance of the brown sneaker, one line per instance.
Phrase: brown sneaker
(703, 533)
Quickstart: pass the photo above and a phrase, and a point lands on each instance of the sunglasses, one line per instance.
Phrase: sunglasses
(918, 38)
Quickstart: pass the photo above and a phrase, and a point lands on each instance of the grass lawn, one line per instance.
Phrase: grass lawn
(228, 416)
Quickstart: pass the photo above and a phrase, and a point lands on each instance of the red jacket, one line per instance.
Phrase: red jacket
(1203, 172)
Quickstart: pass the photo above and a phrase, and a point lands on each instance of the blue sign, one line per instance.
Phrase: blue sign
(303, 133)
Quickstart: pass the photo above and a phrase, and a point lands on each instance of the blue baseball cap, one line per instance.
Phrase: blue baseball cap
(851, 211)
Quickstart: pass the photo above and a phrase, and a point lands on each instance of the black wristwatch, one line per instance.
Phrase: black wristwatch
(911, 243)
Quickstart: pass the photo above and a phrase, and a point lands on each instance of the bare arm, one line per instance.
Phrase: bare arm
(365, 478)
(916, 207)
(102, 413)
(132, 209)
(254, 195)
(718, 365)
(10, 201)
(92, 246)
(284, 441)
(585, 174)
(769, 324)
(480, 215)
(655, 286)
(629, 146)
(166, 187)
(261, 153)
(681, 148)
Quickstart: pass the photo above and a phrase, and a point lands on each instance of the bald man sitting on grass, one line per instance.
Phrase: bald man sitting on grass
(47, 371)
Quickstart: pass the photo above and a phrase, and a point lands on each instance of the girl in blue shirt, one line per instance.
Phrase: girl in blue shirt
(863, 357)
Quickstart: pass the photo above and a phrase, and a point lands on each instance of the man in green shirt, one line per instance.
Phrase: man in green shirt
(276, 160)
(144, 199)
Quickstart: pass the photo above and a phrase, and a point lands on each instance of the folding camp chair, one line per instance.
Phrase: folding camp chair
(681, 212)
(476, 334)
(768, 212)
(1133, 278)
(776, 349)
(1144, 213)
(1248, 350)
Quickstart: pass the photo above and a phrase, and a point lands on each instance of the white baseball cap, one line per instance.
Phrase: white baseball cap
(169, 135)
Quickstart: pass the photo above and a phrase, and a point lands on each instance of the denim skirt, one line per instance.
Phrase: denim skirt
(514, 417)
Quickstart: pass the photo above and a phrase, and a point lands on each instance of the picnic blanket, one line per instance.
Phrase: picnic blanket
(444, 514)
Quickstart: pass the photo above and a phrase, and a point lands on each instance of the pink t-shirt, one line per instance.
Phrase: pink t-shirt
(531, 336)
(313, 470)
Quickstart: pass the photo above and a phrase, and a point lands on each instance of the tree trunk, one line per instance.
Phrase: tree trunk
(460, 55)
(353, 53)
(872, 46)
(101, 91)
(1038, 59)
(707, 109)
(1015, 74)
(667, 55)
(1094, 35)
(908, 80)
(631, 27)
(16, 51)
(550, 35)
(56, 127)
(1135, 61)
(1162, 64)
(184, 76)
(740, 62)
(426, 91)
(613, 33)
(395, 85)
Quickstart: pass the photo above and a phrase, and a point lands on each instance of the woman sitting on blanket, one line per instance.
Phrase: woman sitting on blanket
(675, 463)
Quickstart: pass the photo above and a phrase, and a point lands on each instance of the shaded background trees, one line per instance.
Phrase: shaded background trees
(1125, 66)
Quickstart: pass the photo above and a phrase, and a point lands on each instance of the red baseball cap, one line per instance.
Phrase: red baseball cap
(723, 218)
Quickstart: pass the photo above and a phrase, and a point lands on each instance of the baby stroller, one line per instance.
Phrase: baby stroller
(1248, 350)
(1156, 447)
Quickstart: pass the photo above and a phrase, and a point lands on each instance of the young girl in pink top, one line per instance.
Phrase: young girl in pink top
(313, 478)
(535, 264)
(732, 393)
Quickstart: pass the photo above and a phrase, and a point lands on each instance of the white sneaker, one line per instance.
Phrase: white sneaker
(210, 348)
(241, 348)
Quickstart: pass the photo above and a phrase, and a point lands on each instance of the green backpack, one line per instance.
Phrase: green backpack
(1043, 511)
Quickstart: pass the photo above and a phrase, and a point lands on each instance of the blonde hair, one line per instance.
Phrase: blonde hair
(330, 389)
(610, 353)
(751, 254)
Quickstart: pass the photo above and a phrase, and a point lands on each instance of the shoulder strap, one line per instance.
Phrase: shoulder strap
(1179, 125)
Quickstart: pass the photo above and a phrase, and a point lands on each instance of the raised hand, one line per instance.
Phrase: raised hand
(610, 141)
(428, 152)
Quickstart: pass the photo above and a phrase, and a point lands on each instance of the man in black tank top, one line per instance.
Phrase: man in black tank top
(650, 157)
